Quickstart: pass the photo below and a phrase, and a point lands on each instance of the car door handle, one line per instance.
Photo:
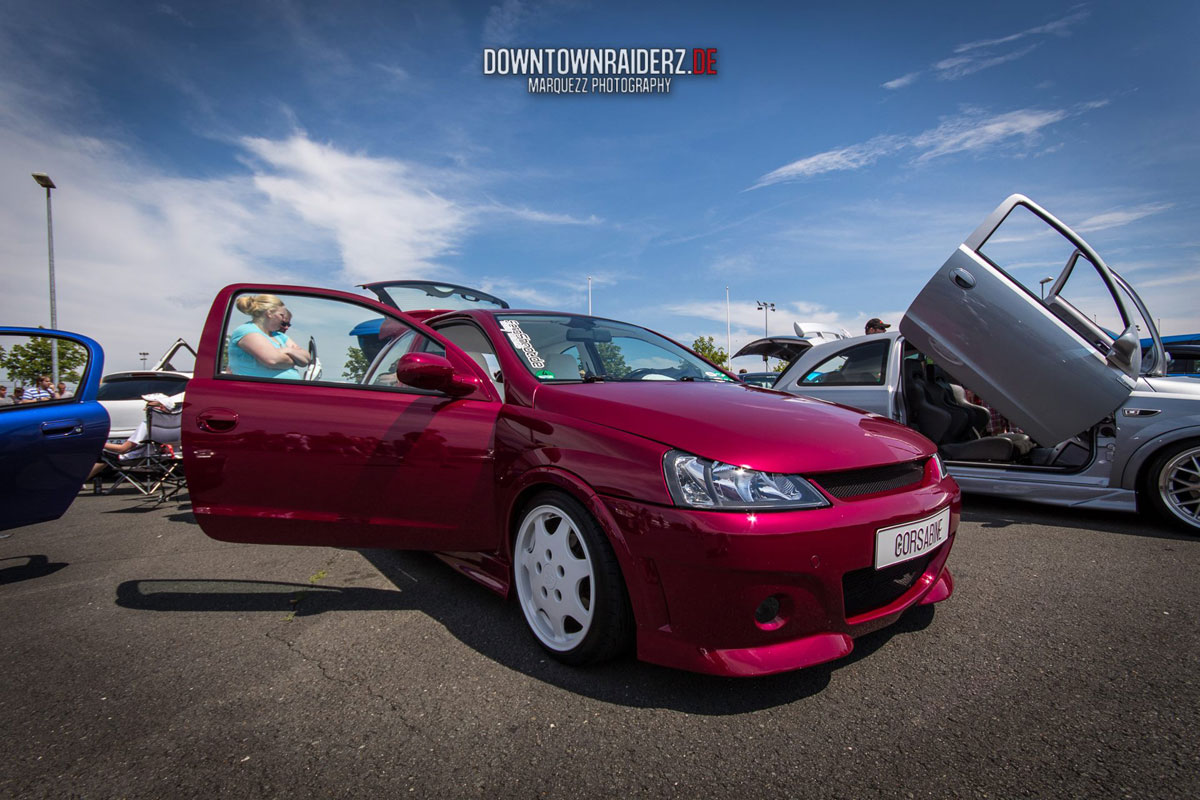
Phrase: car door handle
(217, 420)
(962, 279)
(62, 427)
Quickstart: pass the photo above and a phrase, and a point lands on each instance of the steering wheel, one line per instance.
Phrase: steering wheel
(643, 373)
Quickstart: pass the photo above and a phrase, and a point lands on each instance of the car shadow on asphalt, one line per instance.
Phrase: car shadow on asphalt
(999, 512)
(37, 566)
(496, 629)
(299, 599)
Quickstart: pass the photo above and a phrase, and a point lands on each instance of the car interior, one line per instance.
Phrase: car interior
(940, 408)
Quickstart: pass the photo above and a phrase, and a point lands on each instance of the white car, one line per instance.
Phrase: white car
(121, 392)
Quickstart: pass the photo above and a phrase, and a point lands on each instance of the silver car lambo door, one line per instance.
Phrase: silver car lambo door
(1051, 367)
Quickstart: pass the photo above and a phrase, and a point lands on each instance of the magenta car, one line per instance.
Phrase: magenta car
(625, 490)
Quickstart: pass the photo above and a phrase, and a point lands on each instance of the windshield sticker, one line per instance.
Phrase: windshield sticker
(522, 342)
(545, 374)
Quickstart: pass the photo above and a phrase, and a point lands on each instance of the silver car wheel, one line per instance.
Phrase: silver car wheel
(1179, 485)
(555, 577)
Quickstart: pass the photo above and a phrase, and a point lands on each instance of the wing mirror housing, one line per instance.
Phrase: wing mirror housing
(434, 372)
(1126, 352)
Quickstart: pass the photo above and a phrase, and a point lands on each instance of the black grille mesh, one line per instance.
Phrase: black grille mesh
(867, 589)
(853, 483)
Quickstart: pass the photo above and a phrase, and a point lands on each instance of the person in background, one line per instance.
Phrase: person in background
(41, 390)
(876, 325)
(62, 391)
(261, 347)
(5, 400)
(135, 446)
(19, 394)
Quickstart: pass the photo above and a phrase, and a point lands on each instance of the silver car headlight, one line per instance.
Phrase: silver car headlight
(700, 483)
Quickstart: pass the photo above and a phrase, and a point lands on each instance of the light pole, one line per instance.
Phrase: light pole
(765, 307)
(589, 295)
(728, 335)
(44, 181)
(143, 354)
(1042, 285)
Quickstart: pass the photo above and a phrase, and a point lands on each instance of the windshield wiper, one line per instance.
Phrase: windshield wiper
(590, 378)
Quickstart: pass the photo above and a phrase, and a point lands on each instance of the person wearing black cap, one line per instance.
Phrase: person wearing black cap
(876, 325)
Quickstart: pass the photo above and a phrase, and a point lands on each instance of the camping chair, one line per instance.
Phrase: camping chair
(156, 464)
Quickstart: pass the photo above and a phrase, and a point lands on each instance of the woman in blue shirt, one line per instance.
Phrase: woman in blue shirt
(261, 347)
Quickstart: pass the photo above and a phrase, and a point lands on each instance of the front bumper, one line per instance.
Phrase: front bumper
(704, 576)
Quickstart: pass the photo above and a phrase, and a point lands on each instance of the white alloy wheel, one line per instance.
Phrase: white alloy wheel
(1179, 485)
(556, 577)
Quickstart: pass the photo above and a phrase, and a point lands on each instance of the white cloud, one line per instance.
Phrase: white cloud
(952, 69)
(902, 81)
(843, 158)
(387, 221)
(971, 131)
(1119, 217)
(976, 56)
(533, 215)
(1059, 27)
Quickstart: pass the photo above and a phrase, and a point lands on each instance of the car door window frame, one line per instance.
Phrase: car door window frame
(464, 363)
(883, 344)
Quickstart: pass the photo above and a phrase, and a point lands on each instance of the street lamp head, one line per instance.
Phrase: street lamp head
(43, 180)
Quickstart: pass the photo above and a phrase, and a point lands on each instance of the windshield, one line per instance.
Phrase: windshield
(558, 348)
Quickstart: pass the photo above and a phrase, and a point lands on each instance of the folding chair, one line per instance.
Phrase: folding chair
(156, 464)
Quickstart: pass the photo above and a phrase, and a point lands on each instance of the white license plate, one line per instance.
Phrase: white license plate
(911, 540)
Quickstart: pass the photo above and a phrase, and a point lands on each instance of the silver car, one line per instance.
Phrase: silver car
(1042, 394)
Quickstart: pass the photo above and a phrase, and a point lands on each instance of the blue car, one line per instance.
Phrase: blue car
(48, 447)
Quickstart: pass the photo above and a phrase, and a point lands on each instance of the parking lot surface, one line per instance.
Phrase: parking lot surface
(145, 660)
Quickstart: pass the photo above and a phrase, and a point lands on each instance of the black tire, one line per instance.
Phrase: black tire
(1171, 485)
(568, 581)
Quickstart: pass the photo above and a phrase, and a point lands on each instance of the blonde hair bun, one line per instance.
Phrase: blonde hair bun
(256, 305)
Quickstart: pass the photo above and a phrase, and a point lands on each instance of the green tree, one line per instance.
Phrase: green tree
(25, 362)
(356, 365)
(706, 347)
(613, 360)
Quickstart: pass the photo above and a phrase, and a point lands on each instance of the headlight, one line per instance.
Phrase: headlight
(700, 483)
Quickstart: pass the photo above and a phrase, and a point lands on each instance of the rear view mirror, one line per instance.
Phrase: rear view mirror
(434, 372)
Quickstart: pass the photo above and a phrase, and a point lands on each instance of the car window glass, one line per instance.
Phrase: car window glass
(293, 338)
(1086, 293)
(132, 387)
(1034, 254)
(27, 371)
(574, 348)
(861, 365)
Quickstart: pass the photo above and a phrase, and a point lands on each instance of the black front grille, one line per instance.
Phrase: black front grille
(852, 483)
(867, 589)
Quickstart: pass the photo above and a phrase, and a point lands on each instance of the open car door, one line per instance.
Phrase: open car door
(352, 455)
(48, 447)
(1055, 364)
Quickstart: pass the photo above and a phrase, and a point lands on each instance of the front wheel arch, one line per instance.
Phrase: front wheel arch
(1164, 484)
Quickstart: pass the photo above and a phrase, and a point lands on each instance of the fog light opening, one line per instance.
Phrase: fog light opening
(771, 613)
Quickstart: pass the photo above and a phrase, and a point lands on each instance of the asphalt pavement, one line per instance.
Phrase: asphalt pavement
(145, 660)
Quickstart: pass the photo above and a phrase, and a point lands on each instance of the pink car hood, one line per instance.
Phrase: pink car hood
(738, 424)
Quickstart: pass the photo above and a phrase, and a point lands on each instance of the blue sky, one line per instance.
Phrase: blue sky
(830, 167)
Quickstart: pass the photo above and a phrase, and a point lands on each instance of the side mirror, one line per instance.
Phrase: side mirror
(1126, 352)
(431, 371)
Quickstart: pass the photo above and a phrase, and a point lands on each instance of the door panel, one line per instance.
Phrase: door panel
(345, 459)
(1001, 340)
(48, 447)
